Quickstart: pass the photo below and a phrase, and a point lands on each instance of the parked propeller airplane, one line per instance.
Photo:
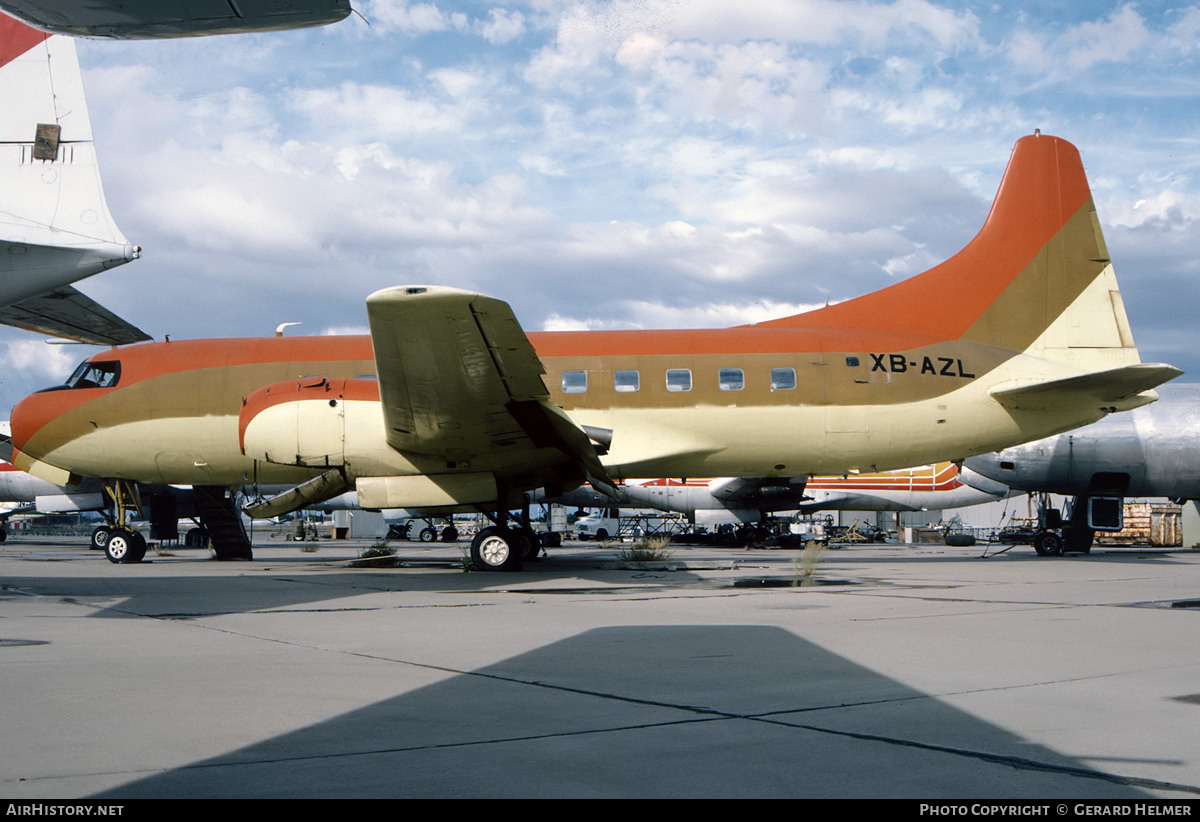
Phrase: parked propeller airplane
(1020, 335)
(55, 227)
(138, 19)
(1152, 452)
(925, 487)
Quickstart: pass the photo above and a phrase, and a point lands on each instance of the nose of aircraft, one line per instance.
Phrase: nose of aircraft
(21, 423)
(31, 415)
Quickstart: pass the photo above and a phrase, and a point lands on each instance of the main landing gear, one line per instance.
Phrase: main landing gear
(502, 547)
(121, 544)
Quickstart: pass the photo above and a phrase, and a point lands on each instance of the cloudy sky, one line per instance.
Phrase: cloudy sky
(625, 164)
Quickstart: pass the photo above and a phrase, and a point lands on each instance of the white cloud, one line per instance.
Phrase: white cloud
(1167, 208)
(647, 314)
(503, 26)
(377, 111)
(1114, 39)
(409, 18)
(46, 362)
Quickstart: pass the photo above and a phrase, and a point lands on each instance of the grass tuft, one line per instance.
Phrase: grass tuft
(648, 549)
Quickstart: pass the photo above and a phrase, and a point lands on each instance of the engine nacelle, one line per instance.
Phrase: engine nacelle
(301, 422)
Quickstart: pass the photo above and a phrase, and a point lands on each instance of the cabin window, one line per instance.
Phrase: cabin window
(731, 379)
(852, 362)
(574, 382)
(783, 379)
(679, 379)
(95, 375)
(626, 381)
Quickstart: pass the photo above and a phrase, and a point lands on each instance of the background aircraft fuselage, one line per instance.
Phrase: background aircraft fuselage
(1149, 452)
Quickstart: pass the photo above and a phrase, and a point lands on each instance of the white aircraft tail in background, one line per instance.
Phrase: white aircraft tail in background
(55, 228)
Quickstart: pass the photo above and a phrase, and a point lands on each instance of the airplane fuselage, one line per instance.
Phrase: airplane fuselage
(1151, 452)
(1021, 335)
(687, 412)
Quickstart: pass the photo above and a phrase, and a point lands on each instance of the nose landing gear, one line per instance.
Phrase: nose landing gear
(122, 544)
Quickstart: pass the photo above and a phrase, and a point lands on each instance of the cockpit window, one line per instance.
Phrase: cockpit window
(95, 375)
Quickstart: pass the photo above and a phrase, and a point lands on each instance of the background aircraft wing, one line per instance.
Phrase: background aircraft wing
(460, 382)
(67, 313)
(135, 19)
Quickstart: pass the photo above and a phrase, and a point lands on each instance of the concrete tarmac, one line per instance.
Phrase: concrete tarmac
(905, 671)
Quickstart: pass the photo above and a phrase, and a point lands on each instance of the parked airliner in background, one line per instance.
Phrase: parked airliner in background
(1020, 335)
(136, 19)
(928, 487)
(55, 227)
(1151, 452)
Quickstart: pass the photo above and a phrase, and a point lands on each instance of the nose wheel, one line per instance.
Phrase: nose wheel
(122, 544)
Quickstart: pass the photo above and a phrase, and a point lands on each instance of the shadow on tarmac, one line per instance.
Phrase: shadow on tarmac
(674, 711)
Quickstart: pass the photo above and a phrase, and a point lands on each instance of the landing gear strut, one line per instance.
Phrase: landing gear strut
(1057, 536)
(122, 544)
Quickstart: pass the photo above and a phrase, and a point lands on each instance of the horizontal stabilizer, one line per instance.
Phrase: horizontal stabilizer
(319, 489)
(1117, 388)
(15, 512)
(981, 483)
(67, 313)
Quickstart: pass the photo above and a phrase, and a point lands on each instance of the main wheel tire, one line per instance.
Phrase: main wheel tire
(496, 549)
(139, 547)
(533, 546)
(124, 546)
(449, 534)
(1048, 544)
(1077, 540)
(100, 537)
(428, 535)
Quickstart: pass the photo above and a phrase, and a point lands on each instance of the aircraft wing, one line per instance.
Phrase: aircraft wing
(135, 19)
(66, 312)
(461, 384)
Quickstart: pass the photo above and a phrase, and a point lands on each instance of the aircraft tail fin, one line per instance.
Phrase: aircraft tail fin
(1036, 276)
(50, 192)
(55, 227)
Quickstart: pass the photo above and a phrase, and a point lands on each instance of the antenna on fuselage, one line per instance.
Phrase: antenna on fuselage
(279, 328)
